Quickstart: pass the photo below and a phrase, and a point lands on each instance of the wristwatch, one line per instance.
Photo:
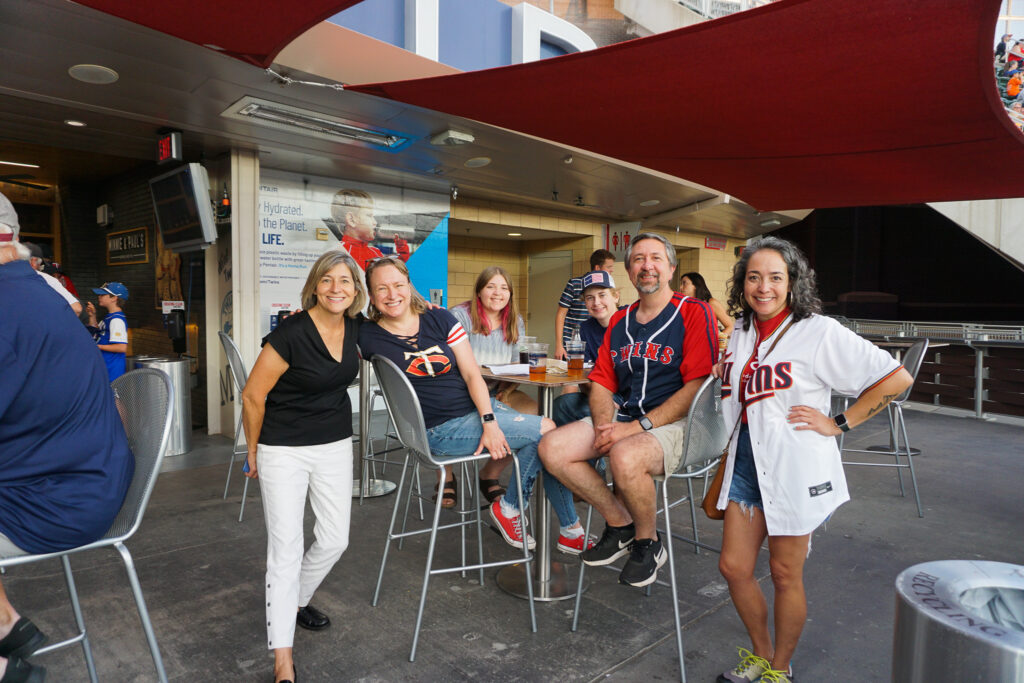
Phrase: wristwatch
(646, 423)
(486, 417)
(840, 421)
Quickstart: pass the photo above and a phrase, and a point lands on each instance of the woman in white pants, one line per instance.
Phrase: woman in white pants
(298, 424)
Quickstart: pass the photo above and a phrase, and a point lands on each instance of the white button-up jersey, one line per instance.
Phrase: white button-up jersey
(800, 473)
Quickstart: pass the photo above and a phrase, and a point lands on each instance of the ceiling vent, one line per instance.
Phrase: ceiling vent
(290, 119)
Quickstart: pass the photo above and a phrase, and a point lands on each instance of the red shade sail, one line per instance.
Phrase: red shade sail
(251, 30)
(799, 104)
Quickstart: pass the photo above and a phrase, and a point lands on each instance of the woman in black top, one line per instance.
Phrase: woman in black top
(298, 424)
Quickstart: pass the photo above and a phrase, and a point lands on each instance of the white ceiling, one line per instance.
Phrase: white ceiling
(168, 83)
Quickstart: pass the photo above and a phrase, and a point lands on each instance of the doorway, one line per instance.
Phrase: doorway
(547, 274)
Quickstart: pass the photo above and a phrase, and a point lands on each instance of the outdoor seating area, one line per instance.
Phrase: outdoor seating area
(201, 573)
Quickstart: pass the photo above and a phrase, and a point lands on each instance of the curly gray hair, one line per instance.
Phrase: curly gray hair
(803, 286)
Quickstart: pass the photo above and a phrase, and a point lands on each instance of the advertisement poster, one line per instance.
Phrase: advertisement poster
(300, 217)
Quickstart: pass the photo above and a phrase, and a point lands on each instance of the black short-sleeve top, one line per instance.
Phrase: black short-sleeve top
(309, 405)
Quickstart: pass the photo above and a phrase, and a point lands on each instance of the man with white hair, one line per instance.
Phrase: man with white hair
(65, 465)
(11, 249)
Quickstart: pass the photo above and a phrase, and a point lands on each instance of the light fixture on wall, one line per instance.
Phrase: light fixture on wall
(451, 138)
(515, 234)
(310, 123)
(771, 223)
(18, 163)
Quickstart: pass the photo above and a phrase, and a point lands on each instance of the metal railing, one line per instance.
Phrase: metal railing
(980, 337)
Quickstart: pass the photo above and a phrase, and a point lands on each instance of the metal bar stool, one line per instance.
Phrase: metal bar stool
(240, 376)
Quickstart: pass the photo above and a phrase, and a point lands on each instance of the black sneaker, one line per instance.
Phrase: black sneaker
(645, 559)
(614, 543)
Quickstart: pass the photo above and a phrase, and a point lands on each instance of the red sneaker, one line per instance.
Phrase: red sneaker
(574, 546)
(511, 527)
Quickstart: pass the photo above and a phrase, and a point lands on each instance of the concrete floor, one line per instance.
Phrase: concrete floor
(201, 572)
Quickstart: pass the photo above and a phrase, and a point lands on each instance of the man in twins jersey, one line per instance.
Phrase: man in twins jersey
(655, 355)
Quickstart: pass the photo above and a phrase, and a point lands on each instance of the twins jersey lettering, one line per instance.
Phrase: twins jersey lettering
(645, 363)
(800, 473)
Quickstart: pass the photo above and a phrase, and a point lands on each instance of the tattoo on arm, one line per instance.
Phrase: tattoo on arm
(886, 400)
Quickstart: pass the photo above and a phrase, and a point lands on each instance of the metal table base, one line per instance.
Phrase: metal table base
(368, 488)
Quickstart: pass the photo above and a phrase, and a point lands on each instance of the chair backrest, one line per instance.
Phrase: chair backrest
(912, 362)
(404, 408)
(238, 370)
(706, 431)
(145, 401)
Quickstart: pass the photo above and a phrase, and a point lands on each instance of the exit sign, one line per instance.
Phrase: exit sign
(714, 243)
(168, 148)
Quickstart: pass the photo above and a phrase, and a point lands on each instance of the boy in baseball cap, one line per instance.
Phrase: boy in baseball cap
(111, 334)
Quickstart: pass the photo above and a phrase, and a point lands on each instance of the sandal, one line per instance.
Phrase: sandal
(449, 493)
(491, 489)
(20, 671)
(23, 640)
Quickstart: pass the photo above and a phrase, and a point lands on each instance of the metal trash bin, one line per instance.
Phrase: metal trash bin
(959, 620)
(181, 422)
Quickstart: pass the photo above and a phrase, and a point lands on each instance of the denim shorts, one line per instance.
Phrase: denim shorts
(744, 488)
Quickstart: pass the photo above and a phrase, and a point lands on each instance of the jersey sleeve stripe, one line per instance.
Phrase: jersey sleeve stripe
(882, 379)
(457, 334)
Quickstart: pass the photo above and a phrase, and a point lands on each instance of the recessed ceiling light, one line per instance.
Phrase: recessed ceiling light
(93, 73)
(73, 122)
(18, 163)
(477, 162)
(650, 202)
(515, 234)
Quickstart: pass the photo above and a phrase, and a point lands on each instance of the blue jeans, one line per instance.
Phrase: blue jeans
(461, 435)
(570, 408)
(744, 488)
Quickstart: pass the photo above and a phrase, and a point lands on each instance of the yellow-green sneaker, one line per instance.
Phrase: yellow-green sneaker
(748, 670)
(775, 676)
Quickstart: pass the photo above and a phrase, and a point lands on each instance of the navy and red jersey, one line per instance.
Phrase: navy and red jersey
(644, 364)
(427, 361)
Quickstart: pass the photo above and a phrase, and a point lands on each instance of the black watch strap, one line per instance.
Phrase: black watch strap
(487, 417)
(840, 421)
(646, 423)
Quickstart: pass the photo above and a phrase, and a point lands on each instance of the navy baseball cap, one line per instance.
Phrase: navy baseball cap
(114, 288)
(598, 278)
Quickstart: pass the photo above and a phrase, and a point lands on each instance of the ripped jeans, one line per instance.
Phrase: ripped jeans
(461, 435)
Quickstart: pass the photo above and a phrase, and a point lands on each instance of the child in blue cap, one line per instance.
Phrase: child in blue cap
(111, 334)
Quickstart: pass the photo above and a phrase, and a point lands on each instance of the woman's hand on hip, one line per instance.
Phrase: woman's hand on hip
(810, 418)
(251, 460)
(493, 441)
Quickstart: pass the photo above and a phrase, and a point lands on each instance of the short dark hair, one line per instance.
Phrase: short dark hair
(599, 257)
(702, 293)
(803, 287)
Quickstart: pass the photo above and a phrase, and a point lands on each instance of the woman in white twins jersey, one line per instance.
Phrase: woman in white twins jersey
(784, 476)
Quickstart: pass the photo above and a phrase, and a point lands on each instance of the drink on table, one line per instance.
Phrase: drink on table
(524, 349)
(538, 360)
(574, 350)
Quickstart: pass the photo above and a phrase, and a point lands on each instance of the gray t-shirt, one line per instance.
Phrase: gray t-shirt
(489, 349)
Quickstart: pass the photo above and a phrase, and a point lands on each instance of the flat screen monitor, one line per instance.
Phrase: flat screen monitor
(184, 214)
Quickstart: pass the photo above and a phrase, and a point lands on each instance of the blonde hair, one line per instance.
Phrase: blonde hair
(416, 301)
(345, 200)
(327, 261)
(509, 315)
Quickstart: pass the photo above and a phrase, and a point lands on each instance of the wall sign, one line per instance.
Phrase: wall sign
(714, 243)
(128, 246)
(168, 148)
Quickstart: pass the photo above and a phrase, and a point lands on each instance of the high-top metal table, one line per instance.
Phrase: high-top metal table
(550, 579)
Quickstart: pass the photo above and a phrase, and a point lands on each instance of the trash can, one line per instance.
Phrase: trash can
(181, 421)
(959, 620)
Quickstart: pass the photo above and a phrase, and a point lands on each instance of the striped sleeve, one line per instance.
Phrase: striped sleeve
(457, 334)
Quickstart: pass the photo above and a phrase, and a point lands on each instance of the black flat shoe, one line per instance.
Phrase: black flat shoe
(20, 671)
(23, 640)
(295, 674)
(311, 618)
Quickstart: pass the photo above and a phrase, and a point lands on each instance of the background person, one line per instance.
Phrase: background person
(65, 465)
(784, 476)
(37, 262)
(602, 301)
(111, 334)
(693, 284)
(298, 424)
(429, 346)
(571, 310)
(494, 326)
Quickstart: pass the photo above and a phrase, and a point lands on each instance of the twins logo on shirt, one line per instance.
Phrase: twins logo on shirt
(762, 381)
(661, 353)
(428, 362)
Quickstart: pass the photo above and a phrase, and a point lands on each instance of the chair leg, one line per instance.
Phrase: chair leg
(391, 530)
(583, 566)
(245, 494)
(140, 604)
(408, 499)
(76, 607)
(231, 460)
(527, 559)
(910, 458)
(463, 511)
(672, 577)
(426, 571)
(479, 522)
(894, 441)
(693, 517)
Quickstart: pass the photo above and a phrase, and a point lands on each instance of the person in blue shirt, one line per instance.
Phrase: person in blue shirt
(65, 464)
(111, 334)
